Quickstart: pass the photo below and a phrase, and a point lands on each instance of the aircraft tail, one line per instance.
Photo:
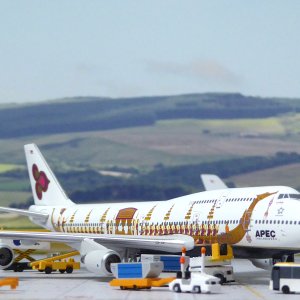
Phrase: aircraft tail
(212, 182)
(46, 189)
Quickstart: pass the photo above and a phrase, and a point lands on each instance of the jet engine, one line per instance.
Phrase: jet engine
(6, 256)
(97, 258)
(98, 261)
(264, 263)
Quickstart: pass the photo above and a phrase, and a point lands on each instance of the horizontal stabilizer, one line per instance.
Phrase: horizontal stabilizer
(24, 212)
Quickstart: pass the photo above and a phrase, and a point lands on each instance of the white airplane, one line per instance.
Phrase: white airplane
(212, 182)
(259, 222)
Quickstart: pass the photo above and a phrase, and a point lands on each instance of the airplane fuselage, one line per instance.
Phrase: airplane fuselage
(259, 217)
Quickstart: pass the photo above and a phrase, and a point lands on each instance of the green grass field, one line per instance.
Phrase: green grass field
(8, 197)
(171, 142)
(8, 167)
(11, 221)
(286, 175)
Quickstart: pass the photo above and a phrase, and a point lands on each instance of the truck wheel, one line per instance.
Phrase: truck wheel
(69, 269)
(221, 277)
(197, 289)
(122, 287)
(285, 289)
(18, 268)
(62, 271)
(176, 288)
(48, 270)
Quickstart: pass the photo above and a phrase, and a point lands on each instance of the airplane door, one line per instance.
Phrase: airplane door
(221, 201)
(276, 278)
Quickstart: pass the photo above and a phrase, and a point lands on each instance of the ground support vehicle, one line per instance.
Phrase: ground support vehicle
(217, 269)
(171, 263)
(58, 262)
(140, 283)
(23, 253)
(196, 282)
(143, 275)
(13, 282)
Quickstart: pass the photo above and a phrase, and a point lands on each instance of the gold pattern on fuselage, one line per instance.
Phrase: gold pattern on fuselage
(189, 212)
(149, 214)
(167, 216)
(203, 233)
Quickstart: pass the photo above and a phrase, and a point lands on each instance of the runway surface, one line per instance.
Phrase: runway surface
(251, 283)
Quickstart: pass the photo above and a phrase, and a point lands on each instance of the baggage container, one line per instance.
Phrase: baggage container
(171, 262)
(137, 270)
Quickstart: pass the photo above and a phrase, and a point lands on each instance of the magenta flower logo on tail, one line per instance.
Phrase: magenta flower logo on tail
(42, 181)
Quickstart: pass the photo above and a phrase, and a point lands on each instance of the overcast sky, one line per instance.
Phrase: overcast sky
(53, 49)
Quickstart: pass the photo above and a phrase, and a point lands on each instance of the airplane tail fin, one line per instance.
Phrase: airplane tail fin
(46, 189)
(213, 182)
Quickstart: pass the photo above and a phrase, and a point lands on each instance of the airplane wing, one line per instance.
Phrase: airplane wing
(213, 182)
(167, 243)
(36, 215)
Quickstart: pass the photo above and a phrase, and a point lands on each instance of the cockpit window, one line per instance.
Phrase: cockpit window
(292, 196)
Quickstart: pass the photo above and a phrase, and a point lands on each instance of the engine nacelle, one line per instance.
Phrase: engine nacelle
(264, 263)
(6, 256)
(98, 261)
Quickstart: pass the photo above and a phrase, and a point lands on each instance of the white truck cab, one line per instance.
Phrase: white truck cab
(224, 272)
(195, 282)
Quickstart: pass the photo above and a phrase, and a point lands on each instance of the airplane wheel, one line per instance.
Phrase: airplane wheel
(285, 289)
(176, 288)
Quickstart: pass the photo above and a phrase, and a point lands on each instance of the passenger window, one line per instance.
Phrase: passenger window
(296, 273)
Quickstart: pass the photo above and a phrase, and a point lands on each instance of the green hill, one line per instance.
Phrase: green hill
(161, 143)
(92, 113)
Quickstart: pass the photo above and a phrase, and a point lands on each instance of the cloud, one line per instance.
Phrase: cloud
(205, 70)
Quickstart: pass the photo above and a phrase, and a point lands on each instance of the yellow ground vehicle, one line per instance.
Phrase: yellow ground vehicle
(58, 262)
(140, 283)
(13, 282)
